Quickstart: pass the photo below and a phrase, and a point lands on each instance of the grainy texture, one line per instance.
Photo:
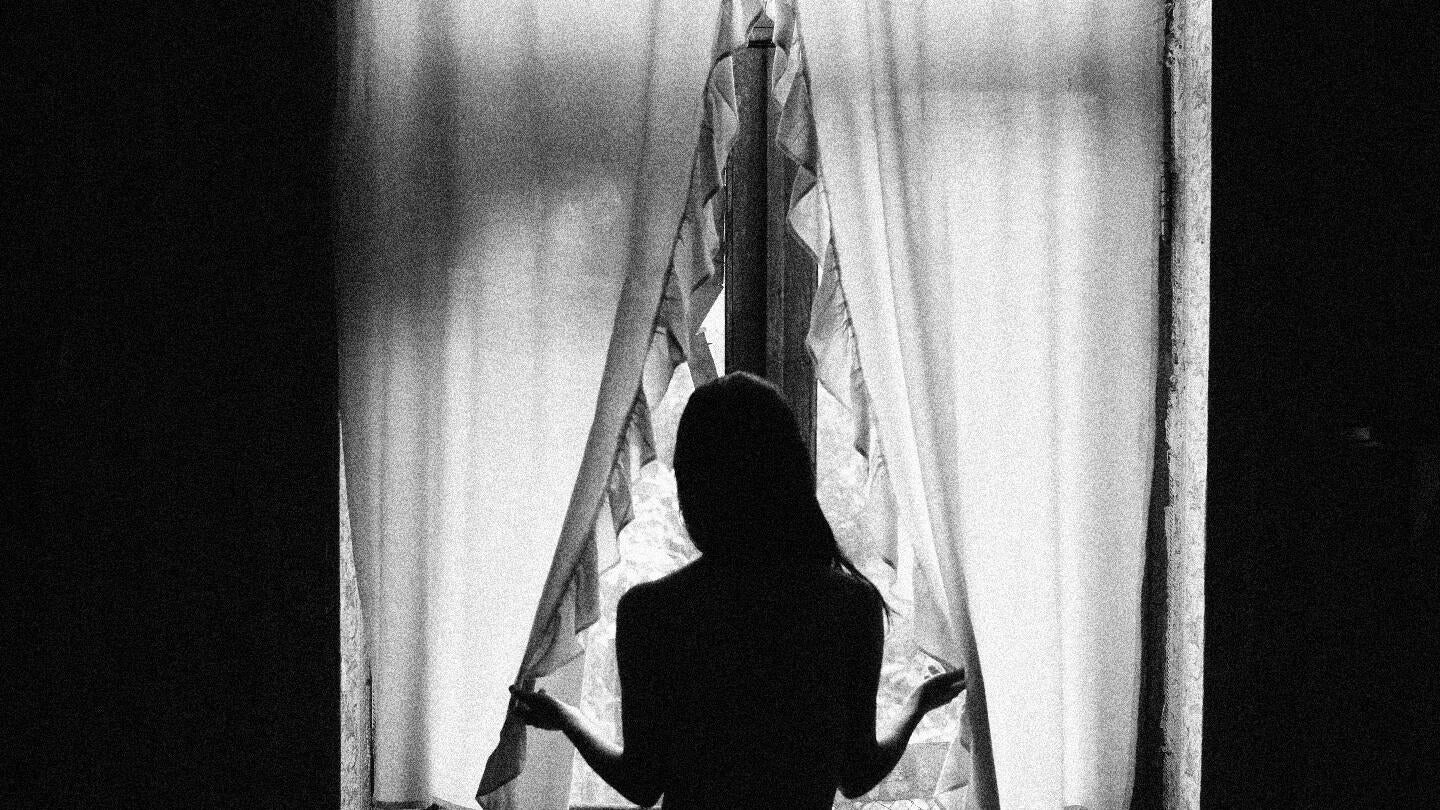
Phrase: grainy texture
(1188, 52)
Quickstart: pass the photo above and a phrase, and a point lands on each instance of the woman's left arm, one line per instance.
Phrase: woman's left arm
(606, 758)
(634, 770)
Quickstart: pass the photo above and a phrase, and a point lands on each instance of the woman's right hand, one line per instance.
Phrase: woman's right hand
(541, 710)
(938, 690)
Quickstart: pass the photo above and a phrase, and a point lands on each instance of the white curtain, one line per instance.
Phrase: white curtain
(993, 177)
(505, 165)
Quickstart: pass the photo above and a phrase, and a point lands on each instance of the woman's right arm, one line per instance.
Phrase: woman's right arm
(870, 760)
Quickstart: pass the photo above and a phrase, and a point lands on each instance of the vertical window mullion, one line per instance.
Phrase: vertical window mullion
(745, 260)
(769, 277)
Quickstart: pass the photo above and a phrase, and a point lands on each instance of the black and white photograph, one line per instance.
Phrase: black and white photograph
(814, 404)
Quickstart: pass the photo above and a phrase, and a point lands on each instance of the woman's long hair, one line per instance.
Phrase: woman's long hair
(743, 476)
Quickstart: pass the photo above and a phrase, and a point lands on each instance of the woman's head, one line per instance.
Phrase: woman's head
(743, 474)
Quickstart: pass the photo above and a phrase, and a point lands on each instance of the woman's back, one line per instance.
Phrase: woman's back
(743, 678)
(747, 678)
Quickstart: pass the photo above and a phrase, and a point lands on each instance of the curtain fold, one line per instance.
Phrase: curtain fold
(992, 172)
(505, 167)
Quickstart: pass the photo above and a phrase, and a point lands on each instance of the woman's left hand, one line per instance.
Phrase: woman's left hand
(938, 690)
(540, 710)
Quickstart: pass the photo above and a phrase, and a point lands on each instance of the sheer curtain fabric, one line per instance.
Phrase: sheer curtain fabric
(993, 177)
(504, 164)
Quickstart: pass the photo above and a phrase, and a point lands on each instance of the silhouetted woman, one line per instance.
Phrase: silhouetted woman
(748, 677)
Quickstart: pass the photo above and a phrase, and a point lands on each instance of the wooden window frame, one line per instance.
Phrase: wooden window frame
(770, 277)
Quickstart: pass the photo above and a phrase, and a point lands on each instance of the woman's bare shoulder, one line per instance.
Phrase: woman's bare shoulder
(860, 596)
(645, 597)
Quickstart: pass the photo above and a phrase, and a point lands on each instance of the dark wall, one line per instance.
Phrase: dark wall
(168, 310)
(1320, 602)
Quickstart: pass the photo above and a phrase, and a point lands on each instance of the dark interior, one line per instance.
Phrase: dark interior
(1324, 321)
